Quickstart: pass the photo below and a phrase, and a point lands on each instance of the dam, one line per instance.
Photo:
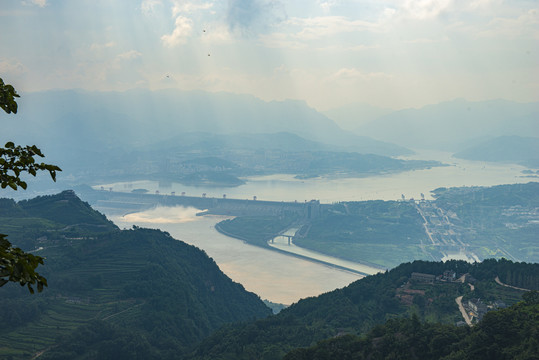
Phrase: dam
(134, 202)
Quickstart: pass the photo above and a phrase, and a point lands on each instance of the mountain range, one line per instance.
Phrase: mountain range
(82, 120)
(511, 149)
(448, 126)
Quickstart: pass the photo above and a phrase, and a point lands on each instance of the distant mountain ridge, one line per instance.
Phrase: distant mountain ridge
(83, 120)
(454, 125)
(516, 149)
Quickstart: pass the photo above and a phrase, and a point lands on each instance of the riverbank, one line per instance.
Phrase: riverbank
(305, 254)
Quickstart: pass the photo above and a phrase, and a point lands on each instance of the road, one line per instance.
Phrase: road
(498, 281)
(458, 300)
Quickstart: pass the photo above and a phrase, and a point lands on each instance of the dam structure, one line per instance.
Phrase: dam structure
(135, 202)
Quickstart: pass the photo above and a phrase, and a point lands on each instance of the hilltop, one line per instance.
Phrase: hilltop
(139, 291)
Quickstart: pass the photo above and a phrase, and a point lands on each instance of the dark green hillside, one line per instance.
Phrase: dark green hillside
(125, 287)
(359, 307)
(65, 208)
(510, 333)
(9, 208)
(29, 223)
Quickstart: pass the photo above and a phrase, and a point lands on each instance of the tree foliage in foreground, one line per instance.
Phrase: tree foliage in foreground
(15, 264)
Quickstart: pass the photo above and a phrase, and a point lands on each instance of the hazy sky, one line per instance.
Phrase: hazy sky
(387, 53)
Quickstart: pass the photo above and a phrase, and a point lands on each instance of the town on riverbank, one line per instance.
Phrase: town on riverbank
(458, 224)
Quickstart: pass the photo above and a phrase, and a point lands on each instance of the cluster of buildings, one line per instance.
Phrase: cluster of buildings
(448, 275)
(475, 307)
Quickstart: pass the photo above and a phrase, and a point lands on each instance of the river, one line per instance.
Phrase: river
(286, 279)
(412, 184)
(277, 277)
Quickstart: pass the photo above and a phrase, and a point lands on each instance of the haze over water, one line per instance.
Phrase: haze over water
(282, 278)
(381, 187)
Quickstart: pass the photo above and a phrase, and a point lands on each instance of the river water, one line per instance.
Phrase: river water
(328, 190)
(277, 277)
(286, 279)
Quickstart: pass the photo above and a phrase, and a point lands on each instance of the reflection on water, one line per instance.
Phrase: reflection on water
(271, 275)
(163, 215)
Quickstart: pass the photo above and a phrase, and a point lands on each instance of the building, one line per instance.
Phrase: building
(449, 275)
(424, 278)
(477, 307)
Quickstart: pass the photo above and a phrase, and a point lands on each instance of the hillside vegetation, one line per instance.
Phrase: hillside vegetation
(505, 334)
(125, 294)
(359, 307)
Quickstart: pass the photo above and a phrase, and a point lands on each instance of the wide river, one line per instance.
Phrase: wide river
(286, 279)
(328, 190)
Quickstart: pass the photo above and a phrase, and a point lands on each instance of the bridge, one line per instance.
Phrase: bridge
(290, 237)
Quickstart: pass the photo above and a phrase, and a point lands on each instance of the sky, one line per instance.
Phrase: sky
(386, 53)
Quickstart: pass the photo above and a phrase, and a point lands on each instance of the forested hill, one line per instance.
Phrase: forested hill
(357, 308)
(123, 294)
(505, 334)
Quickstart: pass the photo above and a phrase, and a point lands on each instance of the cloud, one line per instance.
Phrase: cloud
(325, 26)
(183, 28)
(352, 74)
(526, 24)
(129, 55)
(282, 41)
(11, 67)
(424, 9)
(250, 17)
(327, 5)
(148, 7)
(40, 3)
(431, 9)
(99, 47)
(182, 7)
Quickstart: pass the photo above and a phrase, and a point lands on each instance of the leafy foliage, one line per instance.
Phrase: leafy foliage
(15, 264)
(15, 160)
(19, 266)
(7, 97)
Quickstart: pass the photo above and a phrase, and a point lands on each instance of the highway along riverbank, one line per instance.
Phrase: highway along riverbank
(285, 243)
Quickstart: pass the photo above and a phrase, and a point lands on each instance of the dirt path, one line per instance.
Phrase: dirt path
(458, 300)
(497, 279)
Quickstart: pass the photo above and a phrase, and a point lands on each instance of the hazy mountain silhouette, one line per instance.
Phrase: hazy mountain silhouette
(456, 124)
(80, 120)
(517, 149)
